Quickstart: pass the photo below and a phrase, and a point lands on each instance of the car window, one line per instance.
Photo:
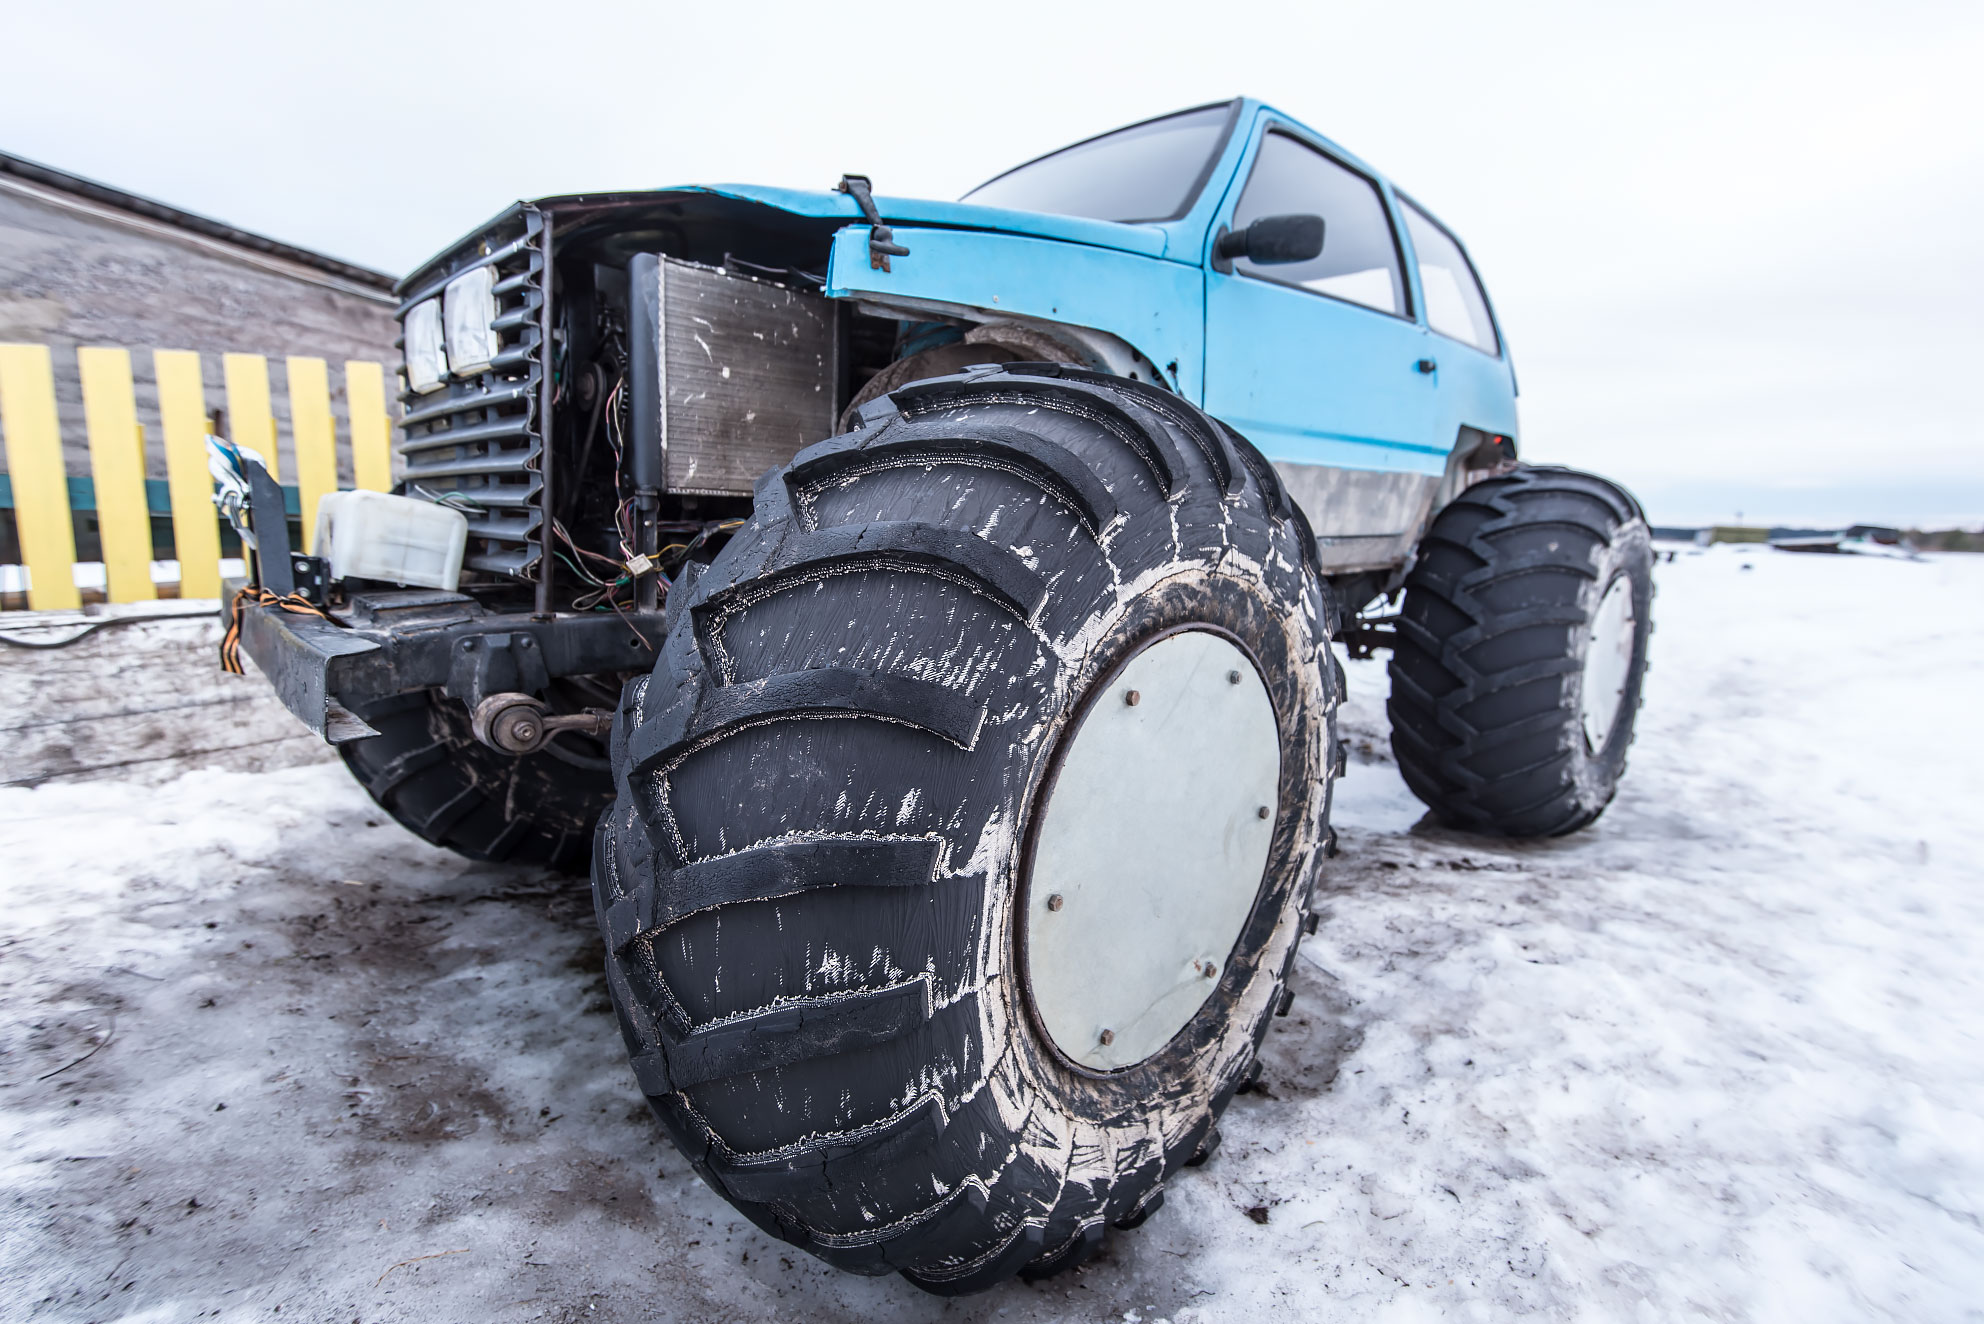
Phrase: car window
(1455, 305)
(1359, 261)
(1147, 172)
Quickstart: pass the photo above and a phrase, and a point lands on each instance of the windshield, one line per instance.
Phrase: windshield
(1147, 172)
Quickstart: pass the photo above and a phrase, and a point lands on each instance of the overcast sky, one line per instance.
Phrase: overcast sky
(1735, 248)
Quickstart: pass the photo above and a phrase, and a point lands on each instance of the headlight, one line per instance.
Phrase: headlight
(426, 361)
(471, 305)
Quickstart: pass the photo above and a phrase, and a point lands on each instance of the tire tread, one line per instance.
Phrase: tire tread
(1481, 545)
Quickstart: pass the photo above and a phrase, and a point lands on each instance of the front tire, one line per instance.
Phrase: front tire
(1521, 646)
(816, 882)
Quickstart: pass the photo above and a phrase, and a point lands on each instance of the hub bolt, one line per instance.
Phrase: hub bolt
(1054, 902)
(1108, 1038)
(1132, 698)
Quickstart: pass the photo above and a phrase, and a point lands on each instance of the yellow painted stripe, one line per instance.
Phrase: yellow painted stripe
(316, 445)
(250, 422)
(41, 488)
(371, 429)
(182, 406)
(118, 469)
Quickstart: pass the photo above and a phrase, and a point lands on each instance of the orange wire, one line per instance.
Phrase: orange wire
(230, 643)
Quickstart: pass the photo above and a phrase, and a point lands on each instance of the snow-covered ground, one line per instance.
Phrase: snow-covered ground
(1718, 1056)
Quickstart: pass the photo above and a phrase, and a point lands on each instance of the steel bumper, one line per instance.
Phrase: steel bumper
(327, 671)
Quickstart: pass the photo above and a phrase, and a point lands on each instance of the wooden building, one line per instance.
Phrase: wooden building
(83, 263)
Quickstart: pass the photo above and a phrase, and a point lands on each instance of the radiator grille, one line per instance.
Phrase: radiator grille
(479, 436)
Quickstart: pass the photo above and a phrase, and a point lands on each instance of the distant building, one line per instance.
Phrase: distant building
(83, 263)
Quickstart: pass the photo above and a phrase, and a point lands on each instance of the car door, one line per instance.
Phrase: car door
(1318, 363)
(1476, 386)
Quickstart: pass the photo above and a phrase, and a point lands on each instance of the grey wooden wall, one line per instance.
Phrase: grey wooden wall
(77, 272)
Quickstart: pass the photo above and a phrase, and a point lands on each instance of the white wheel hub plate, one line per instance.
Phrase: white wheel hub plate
(1150, 849)
(1608, 657)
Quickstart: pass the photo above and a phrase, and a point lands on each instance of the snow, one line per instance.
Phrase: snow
(1717, 1056)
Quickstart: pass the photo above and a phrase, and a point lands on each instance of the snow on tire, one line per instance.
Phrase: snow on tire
(1520, 651)
(814, 882)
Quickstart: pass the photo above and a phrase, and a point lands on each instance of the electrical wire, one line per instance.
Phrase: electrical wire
(622, 503)
(459, 501)
(645, 642)
(230, 643)
(604, 594)
(558, 528)
(16, 641)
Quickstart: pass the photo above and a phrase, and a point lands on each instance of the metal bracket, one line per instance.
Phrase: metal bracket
(882, 243)
(1364, 635)
(486, 664)
(270, 520)
(310, 578)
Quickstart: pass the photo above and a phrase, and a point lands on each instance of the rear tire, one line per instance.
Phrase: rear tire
(427, 769)
(1504, 718)
(814, 882)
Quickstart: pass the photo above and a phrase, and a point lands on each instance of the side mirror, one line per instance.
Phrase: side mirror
(1271, 241)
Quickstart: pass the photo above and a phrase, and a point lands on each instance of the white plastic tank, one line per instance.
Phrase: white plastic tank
(370, 535)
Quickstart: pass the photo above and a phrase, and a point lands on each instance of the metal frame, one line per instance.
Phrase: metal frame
(425, 639)
(547, 507)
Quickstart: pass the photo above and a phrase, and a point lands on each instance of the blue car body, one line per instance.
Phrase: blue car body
(1373, 416)
(1338, 394)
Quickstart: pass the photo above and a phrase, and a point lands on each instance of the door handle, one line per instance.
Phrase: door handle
(1427, 365)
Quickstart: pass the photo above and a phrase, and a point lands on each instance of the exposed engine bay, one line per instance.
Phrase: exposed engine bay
(691, 349)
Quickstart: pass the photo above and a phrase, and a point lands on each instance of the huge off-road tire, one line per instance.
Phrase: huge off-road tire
(427, 769)
(849, 994)
(1520, 651)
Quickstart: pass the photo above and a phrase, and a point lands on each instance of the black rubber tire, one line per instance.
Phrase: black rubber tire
(810, 923)
(941, 361)
(427, 769)
(1488, 666)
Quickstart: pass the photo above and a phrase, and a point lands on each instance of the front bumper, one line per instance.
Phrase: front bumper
(326, 672)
